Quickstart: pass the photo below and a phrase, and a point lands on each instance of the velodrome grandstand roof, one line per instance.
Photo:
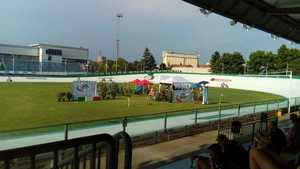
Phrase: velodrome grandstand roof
(278, 17)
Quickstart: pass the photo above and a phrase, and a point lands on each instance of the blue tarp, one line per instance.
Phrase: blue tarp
(200, 84)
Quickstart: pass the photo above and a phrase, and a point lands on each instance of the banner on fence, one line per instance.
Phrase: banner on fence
(183, 96)
(84, 89)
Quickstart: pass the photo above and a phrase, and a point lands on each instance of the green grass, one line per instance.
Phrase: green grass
(30, 105)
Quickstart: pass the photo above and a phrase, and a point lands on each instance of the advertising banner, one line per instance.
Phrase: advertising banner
(183, 96)
(84, 89)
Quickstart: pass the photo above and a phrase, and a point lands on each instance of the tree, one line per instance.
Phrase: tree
(295, 66)
(262, 61)
(102, 67)
(163, 66)
(93, 67)
(215, 62)
(286, 57)
(114, 68)
(103, 89)
(131, 66)
(122, 64)
(137, 65)
(233, 62)
(282, 57)
(148, 60)
(227, 63)
(114, 90)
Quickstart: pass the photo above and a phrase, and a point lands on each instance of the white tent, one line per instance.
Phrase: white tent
(159, 79)
(174, 79)
(178, 81)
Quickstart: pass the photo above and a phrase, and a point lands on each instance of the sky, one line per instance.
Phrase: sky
(156, 24)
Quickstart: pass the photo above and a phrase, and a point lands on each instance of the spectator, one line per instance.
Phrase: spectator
(212, 162)
(233, 156)
(262, 159)
(202, 162)
(267, 154)
(226, 154)
(274, 140)
(293, 139)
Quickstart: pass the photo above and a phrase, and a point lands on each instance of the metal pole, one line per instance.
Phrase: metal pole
(253, 132)
(65, 66)
(239, 110)
(124, 124)
(267, 125)
(13, 63)
(116, 65)
(66, 131)
(196, 117)
(166, 120)
(41, 66)
(220, 113)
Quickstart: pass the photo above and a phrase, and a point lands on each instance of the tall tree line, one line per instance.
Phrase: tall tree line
(227, 62)
(260, 62)
(146, 63)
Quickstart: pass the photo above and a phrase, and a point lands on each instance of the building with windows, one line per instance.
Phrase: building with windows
(184, 62)
(43, 58)
(173, 59)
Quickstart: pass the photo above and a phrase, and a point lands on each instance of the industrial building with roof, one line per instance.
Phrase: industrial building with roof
(43, 58)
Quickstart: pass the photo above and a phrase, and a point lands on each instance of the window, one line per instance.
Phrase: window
(49, 58)
(56, 52)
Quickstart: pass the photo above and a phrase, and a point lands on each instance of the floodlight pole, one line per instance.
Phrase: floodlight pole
(119, 17)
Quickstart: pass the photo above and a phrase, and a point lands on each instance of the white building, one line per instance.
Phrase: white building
(35, 57)
(173, 59)
(184, 62)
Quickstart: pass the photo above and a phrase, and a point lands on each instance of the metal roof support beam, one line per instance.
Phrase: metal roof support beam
(264, 6)
(284, 11)
(235, 3)
(287, 23)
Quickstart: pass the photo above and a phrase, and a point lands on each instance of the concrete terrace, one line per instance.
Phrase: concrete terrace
(164, 153)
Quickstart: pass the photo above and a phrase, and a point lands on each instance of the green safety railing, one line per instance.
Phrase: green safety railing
(164, 119)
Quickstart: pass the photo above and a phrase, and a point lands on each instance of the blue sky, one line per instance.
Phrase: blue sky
(157, 24)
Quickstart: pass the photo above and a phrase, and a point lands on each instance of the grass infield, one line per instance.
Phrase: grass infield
(30, 105)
